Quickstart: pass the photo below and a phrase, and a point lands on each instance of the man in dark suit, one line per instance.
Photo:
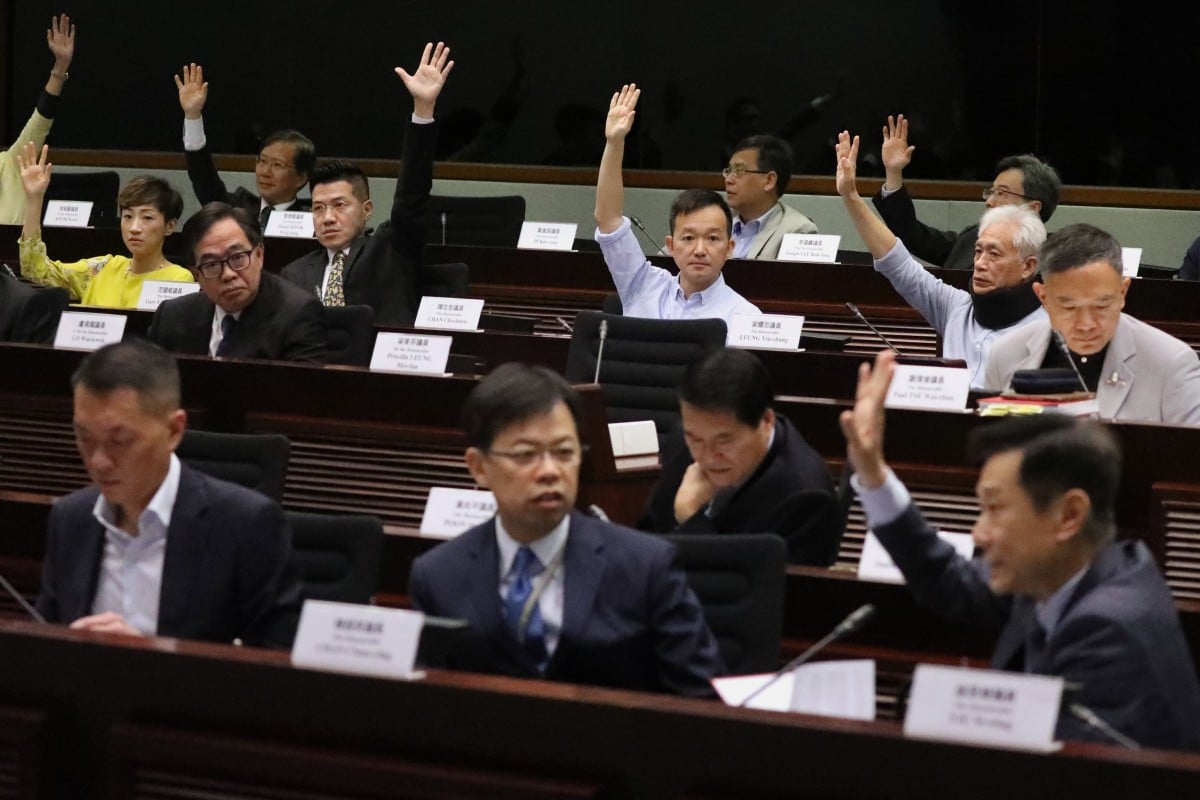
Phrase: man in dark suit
(29, 313)
(155, 547)
(548, 591)
(240, 311)
(381, 270)
(737, 467)
(280, 172)
(1065, 598)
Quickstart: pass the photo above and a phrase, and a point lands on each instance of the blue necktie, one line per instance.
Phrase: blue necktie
(532, 635)
(228, 323)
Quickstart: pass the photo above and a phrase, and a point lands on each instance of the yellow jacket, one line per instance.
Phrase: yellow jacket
(12, 192)
(100, 281)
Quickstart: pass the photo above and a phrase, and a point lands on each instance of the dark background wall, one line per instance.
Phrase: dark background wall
(1105, 91)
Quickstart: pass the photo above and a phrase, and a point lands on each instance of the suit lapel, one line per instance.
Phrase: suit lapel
(769, 229)
(85, 571)
(1119, 360)
(356, 248)
(187, 542)
(583, 569)
(484, 580)
(198, 326)
(1010, 646)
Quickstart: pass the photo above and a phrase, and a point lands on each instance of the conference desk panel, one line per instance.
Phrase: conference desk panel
(121, 717)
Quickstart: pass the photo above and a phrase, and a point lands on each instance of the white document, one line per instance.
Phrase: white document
(410, 352)
(358, 639)
(547, 236)
(813, 247)
(450, 511)
(765, 331)
(638, 438)
(983, 706)
(928, 388)
(67, 213)
(831, 688)
(292, 224)
(449, 313)
(155, 292)
(876, 565)
(85, 330)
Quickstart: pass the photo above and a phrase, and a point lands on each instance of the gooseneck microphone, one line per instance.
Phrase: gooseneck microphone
(21, 601)
(874, 330)
(853, 622)
(637, 223)
(443, 229)
(1066, 351)
(600, 351)
(1093, 721)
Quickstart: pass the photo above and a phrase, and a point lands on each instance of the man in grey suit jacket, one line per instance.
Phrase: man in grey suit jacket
(550, 592)
(1137, 371)
(755, 179)
(154, 547)
(1064, 597)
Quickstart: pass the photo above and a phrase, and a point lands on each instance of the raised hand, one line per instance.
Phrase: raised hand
(847, 164)
(863, 425)
(621, 110)
(60, 38)
(35, 170)
(896, 152)
(193, 90)
(425, 84)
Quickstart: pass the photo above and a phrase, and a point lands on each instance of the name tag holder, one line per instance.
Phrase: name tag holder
(67, 213)
(765, 331)
(409, 352)
(154, 293)
(929, 388)
(450, 511)
(449, 313)
(358, 639)
(547, 236)
(820, 248)
(290, 224)
(86, 330)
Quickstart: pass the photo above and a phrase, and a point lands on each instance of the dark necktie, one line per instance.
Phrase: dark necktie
(334, 295)
(1035, 645)
(262, 217)
(228, 325)
(530, 631)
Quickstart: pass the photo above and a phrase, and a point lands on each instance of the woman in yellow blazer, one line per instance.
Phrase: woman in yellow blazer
(150, 209)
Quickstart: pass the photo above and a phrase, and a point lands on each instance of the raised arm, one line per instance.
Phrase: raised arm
(426, 83)
(193, 91)
(610, 188)
(60, 38)
(896, 152)
(863, 425)
(878, 238)
(35, 178)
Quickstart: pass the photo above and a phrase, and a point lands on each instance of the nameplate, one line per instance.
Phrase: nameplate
(449, 313)
(1131, 259)
(928, 388)
(638, 438)
(876, 565)
(449, 511)
(815, 247)
(765, 331)
(1005, 709)
(291, 224)
(547, 236)
(408, 352)
(358, 639)
(67, 213)
(831, 688)
(155, 292)
(84, 330)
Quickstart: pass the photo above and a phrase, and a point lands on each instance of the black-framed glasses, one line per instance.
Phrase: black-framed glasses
(738, 171)
(565, 454)
(1000, 190)
(236, 262)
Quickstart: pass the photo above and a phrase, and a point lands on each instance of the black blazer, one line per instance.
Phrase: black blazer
(948, 249)
(29, 313)
(281, 323)
(209, 188)
(227, 570)
(383, 270)
(790, 493)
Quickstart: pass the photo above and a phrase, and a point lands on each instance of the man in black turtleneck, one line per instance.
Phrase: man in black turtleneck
(1001, 294)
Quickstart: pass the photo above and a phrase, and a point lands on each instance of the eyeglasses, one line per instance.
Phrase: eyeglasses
(337, 207)
(272, 164)
(1000, 190)
(236, 262)
(528, 456)
(738, 171)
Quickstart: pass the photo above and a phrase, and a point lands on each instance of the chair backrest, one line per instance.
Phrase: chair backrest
(101, 188)
(445, 280)
(255, 460)
(739, 580)
(473, 220)
(643, 362)
(337, 555)
(351, 334)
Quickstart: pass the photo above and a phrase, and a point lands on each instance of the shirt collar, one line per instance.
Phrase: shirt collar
(1051, 611)
(701, 295)
(544, 548)
(759, 220)
(160, 507)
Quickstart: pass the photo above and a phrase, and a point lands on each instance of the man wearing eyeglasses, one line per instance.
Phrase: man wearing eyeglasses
(548, 591)
(1020, 180)
(240, 311)
(755, 180)
(280, 172)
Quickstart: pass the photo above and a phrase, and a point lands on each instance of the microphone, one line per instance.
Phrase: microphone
(852, 623)
(637, 223)
(1093, 721)
(600, 352)
(443, 228)
(1066, 351)
(874, 330)
(21, 601)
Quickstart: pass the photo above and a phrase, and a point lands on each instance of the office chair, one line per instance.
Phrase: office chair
(473, 220)
(739, 580)
(642, 364)
(351, 334)
(101, 188)
(337, 555)
(445, 280)
(255, 460)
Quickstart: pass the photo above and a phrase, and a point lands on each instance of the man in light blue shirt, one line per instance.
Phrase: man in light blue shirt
(699, 243)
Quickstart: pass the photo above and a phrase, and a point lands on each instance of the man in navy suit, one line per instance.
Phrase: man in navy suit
(548, 591)
(154, 547)
(1065, 598)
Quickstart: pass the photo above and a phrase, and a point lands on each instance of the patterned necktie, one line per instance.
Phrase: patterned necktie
(532, 634)
(228, 325)
(334, 296)
(262, 217)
